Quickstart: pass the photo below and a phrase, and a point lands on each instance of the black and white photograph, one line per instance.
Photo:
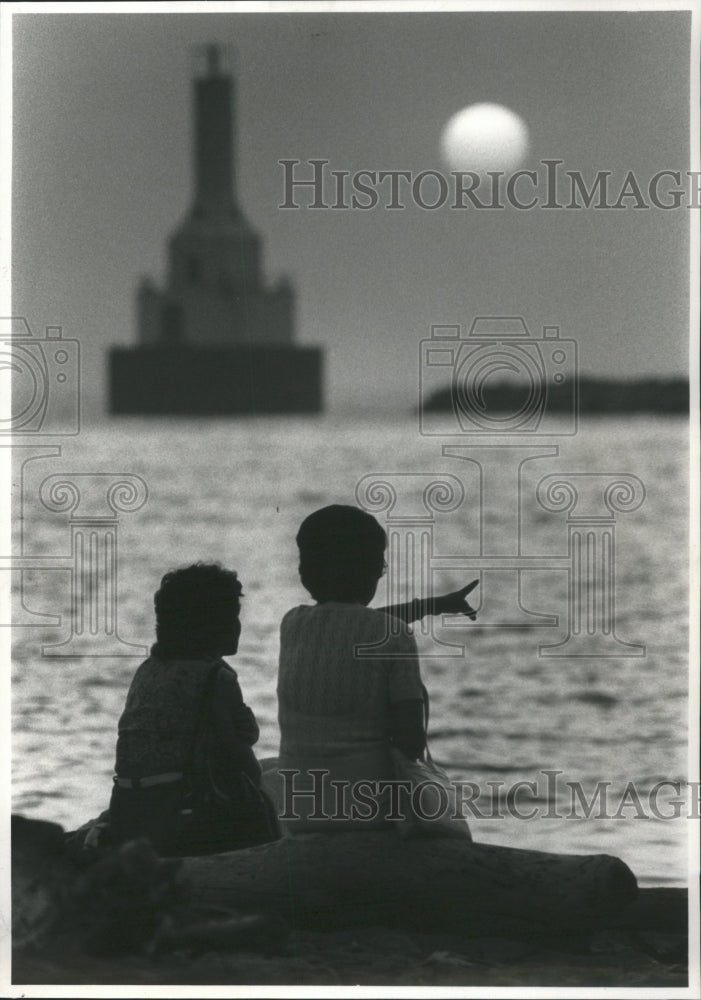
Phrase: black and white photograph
(349, 368)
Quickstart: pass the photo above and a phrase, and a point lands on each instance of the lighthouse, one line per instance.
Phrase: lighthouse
(216, 338)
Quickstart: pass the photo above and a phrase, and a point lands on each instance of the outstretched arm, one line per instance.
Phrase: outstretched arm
(454, 603)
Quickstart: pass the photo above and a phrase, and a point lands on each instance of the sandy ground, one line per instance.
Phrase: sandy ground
(379, 956)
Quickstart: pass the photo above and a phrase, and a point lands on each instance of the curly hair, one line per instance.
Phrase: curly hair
(194, 605)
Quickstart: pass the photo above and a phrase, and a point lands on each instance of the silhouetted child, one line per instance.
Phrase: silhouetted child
(340, 708)
(186, 776)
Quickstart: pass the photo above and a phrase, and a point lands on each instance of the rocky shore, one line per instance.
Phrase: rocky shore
(126, 917)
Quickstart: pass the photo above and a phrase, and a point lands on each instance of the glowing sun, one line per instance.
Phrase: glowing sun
(484, 137)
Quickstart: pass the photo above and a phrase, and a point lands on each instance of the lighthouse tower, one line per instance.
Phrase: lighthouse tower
(215, 339)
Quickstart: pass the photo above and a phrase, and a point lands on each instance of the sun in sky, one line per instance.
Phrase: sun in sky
(484, 137)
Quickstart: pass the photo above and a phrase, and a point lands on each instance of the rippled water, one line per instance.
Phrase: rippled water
(237, 491)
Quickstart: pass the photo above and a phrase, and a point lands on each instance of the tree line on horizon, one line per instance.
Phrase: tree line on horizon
(595, 395)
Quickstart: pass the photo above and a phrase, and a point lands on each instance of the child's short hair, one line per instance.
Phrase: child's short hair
(192, 603)
(340, 549)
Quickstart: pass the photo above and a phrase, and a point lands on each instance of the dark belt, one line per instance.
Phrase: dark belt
(151, 779)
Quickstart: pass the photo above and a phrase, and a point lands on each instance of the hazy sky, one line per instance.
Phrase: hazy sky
(102, 174)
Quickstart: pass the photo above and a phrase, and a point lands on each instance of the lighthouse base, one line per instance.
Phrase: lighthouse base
(215, 381)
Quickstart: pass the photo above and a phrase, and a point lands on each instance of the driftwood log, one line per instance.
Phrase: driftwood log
(335, 880)
(320, 881)
(450, 910)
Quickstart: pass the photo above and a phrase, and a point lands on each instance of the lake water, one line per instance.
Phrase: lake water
(502, 712)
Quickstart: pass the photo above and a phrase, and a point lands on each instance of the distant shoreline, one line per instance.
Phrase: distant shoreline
(595, 396)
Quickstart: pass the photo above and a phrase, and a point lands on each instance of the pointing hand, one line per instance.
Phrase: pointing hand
(455, 603)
